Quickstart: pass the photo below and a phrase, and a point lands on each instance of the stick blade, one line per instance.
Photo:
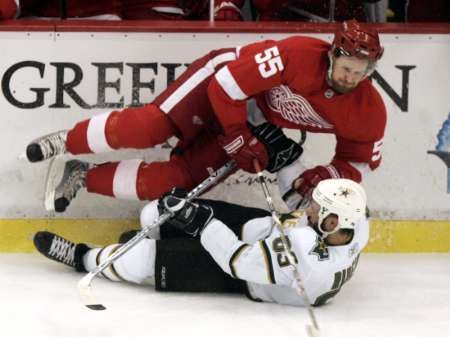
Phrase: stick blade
(86, 294)
(312, 331)
(96, 306)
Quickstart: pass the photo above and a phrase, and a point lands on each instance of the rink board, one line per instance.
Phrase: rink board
(385, 236)
(112, 65)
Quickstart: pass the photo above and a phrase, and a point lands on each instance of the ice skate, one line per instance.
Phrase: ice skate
(61, 250)
(47, 146)
(64, 180)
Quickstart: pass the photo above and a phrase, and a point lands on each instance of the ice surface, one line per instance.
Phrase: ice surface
(389, 296)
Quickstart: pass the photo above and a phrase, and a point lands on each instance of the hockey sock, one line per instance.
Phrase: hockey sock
(137, 128)
(136, 180)
(136, 266)
(157, 178)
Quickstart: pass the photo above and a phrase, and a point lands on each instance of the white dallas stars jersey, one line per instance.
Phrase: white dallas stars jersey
(260, 260)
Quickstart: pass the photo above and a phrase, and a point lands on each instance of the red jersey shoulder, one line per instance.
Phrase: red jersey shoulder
(302, 49)
(367, 114)
(305, 60)
(294, 45)
(304, 42)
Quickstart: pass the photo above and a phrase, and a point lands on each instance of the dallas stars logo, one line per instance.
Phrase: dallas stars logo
(345, 192)
(320, 249)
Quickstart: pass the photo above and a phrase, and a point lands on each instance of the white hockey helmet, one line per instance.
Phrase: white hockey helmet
(342, 197)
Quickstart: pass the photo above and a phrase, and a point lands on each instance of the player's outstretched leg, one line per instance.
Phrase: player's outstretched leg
(137, 265)
(64, 180)
(137, 128)
(61, 250)
(47, 146)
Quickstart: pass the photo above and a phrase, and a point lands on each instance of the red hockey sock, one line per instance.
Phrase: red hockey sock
(152, 180)
(138, 128)
(100, 179)
(157, 178)
(77, 139)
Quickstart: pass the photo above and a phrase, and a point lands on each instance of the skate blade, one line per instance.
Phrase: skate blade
(54, 176)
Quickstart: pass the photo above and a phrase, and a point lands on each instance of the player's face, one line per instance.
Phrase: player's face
(347, 72)
(337, 238)
(328, 224)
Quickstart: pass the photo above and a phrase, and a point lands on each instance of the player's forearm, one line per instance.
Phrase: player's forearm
(244, 261)
(220, 242)
(229, 111)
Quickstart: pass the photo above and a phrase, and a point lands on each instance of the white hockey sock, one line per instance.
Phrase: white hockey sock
(136, 266)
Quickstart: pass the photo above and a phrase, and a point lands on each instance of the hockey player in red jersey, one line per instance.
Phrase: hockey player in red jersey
(299, 82)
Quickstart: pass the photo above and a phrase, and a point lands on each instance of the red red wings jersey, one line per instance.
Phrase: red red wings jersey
(287, 78)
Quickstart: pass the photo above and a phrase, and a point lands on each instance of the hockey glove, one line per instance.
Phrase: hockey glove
(282, 150)
(242, 146)
(299, 196)
(227, 11)
(187, 216)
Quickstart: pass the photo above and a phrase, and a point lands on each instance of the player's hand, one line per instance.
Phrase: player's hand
(227, 11)
(187, 216)
(308, 180)
(299, 196)
(241, 145)
(282, 150)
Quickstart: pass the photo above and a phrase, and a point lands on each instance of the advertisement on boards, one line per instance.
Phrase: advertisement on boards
(50, 81)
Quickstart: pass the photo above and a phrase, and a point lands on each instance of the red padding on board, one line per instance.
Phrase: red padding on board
(205, 27)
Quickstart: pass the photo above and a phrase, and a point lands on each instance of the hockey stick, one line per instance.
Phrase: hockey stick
(84, 285)
(312, 330)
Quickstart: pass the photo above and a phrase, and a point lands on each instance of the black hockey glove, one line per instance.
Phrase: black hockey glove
(188, 216)
(281, 149)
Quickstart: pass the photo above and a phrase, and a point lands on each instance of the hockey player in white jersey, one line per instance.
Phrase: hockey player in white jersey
(239, 249)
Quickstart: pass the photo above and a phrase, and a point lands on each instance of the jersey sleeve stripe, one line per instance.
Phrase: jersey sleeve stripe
(334, 173)
(197, 78)
(229, 84)
(268, 260)
(235, 257)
